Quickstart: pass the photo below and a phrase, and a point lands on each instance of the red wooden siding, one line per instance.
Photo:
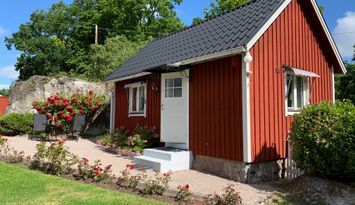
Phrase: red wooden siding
(4, 102)
(216, 109)
(295, 40)
(152, 118)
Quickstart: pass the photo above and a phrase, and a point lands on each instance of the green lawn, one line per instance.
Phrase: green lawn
(22, 186)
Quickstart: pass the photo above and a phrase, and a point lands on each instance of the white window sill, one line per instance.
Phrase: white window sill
(136, 115)
(292, 112)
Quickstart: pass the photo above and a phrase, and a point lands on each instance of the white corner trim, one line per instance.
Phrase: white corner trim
(129, 77)
(188, 110)
(113, 109)
(263, 29)
(333, 84)
(330, 38)
(212, 56)
(246, 107)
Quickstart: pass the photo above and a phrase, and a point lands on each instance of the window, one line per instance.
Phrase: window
(137, 99)
(296, 92)
(173, 88)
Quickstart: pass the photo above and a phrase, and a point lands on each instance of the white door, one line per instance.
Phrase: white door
(174, 109)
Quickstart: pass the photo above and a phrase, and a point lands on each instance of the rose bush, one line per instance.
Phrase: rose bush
(61, 109)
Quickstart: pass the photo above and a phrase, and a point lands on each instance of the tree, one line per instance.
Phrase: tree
(104, 59)
(218, 7)
(4, 92)
(59, 40)
(345, 84)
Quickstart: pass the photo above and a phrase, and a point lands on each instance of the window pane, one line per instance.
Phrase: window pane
(178, 82)
(141, 99)
(300, 89)
(134, 99)
(177, 92)
(290, 97)
(169, 83)
(169, 92)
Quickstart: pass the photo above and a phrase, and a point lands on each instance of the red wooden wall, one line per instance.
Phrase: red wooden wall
(4, 102)
(294, 40)
(152, 118)
(216, 109)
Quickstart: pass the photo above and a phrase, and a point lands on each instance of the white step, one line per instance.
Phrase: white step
(158, 165)
(165, 159)
(157, 154)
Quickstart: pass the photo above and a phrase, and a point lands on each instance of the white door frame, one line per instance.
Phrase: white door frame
(185, 75)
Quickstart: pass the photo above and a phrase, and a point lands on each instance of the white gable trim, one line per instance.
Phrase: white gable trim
(258, 35)
(263, 29)
(330, 38)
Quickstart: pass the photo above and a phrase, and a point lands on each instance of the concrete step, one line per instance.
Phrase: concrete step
(155, 164)
(159, 154)
(165, 159)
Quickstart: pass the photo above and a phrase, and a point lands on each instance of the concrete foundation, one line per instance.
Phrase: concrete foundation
(239, 171)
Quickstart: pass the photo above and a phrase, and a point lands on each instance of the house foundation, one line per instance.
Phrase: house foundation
(239, 171)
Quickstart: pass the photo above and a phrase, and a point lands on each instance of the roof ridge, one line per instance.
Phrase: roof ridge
(206, 20)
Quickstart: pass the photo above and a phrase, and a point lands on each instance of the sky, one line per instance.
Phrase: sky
(339, 15)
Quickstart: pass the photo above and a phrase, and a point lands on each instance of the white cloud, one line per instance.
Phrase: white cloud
(2, 86)
(3, 32)
(9, 72)
(344, 34)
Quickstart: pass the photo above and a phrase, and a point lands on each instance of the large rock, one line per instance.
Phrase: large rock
(40, 88)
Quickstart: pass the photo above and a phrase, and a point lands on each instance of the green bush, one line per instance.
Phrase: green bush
(54, 159)
(323, 140)
(16, 124)
(139, 139)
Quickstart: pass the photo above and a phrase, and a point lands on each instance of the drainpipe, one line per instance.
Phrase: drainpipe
(112, 89)
(246, 72)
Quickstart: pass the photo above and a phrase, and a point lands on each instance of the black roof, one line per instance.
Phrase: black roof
(229, 30)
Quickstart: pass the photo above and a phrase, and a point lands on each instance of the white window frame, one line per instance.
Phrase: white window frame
(173, 88)
(306, 93)
(130, 87)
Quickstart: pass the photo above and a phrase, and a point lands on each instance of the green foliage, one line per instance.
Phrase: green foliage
(345, 84)
(229, 197)
(61, 110)
(158, 185)
(218, 7)
(55, 159)
(16, 124)
(5, 92)
(323, 140)
(59, 40)
(96, 172)
(106, 58)
(9, 154)
(22, 186)
(136, 141)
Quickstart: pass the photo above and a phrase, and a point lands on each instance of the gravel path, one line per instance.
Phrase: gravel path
(199, 182)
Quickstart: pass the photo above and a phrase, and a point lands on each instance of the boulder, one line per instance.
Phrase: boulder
(24, 93)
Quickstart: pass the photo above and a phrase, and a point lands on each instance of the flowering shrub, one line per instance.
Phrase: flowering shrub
(141, 138)
(96, 172)
(229, 197)
(128, 180)
(55, 159)
(7, 154)
(158, 185)
(60, 109)
(183, 193)
(3, 140)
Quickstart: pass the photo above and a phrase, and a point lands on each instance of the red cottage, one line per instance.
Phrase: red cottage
(222, 93)
(4, 102)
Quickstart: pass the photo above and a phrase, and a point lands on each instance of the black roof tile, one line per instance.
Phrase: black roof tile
(232, 29)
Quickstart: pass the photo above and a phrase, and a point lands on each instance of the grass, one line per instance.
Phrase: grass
(22, 186)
